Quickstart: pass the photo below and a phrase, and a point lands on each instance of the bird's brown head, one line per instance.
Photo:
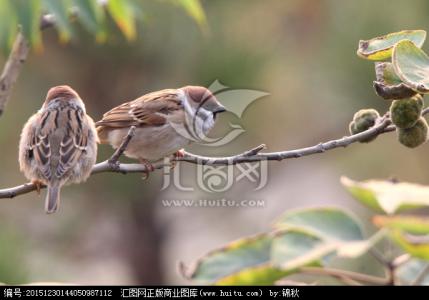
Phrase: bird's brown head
(201, 97)
(61, 92)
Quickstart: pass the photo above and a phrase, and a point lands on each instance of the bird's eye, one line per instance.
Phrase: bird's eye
(30, 154)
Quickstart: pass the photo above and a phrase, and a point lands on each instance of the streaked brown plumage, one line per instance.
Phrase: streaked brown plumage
(58, 144)
(166, 121)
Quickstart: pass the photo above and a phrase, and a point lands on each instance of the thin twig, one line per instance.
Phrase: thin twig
(391, 274)
(341, 274)
(254, 151)
(388, 265)
(379, 257)
(349, 281)
(113, 160)
(11, 70)
(376, 130)
(16, 59)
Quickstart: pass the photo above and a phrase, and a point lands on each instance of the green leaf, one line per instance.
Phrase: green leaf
(408, 272)
(8, 26)
(409, 232)
(60, 9)
(353, 249)
(302, 238)
(253, 261)
(90, 14)
(296, 248)
(380, 48)
(28, 13)
(385, 73)
(411, 224)
(245, 261)
(388, 196)
(326, 222)
(416, 245)
(412, 66)
(194, 9)
(264, 274)
(123, 14)
(362, 194)
(337, 232)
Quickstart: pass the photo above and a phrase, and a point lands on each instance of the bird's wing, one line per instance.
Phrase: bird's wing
(74, 142)
(67, 125)
(148, 110)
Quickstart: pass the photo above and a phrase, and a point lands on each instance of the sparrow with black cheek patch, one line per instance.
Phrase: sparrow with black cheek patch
(58, 144)
(165, 122)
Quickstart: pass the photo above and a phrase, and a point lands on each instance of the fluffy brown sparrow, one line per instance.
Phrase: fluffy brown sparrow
(58, 144)
(165, 121)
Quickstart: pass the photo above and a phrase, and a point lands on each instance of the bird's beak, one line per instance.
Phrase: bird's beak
(219, 109)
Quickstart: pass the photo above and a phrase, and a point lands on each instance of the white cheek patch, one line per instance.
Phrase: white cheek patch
(206, 119)
(201, 123)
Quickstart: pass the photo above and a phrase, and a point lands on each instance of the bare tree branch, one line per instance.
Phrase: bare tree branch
(16, 59)
(383, 125)
(121, 149)
(11, 70)
(18, 190)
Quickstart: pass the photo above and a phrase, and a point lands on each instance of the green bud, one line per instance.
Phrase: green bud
(405, 112)
(352, 128)
(414, 136)
(362, 121)
(365, 119)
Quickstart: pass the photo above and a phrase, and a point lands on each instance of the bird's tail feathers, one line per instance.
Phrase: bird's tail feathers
(52, 201)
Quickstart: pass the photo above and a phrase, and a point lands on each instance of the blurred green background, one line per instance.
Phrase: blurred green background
(114, 229)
